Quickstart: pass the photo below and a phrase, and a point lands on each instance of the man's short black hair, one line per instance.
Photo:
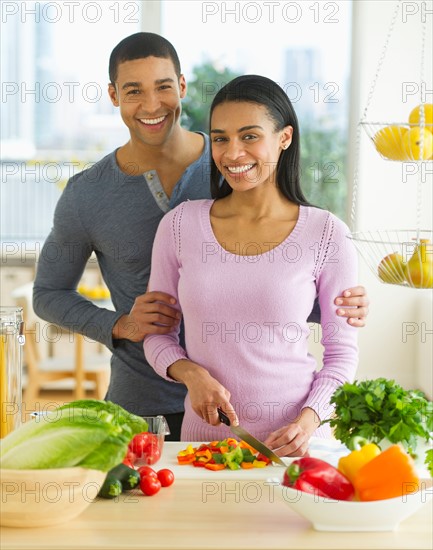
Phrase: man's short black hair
(141, 45)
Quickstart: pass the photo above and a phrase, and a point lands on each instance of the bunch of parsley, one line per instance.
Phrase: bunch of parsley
(381, 409)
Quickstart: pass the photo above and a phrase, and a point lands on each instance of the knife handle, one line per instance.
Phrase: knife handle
(223, 417)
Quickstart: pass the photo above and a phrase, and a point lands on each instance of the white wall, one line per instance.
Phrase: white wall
(395, 343)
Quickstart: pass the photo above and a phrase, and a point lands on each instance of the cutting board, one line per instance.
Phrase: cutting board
(329, 450)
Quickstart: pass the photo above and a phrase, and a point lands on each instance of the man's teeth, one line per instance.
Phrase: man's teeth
(152, 120)
(239, 169)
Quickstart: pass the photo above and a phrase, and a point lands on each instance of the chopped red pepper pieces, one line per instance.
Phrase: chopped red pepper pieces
(187, 459)
(205, 455)
(199, 464)
(218, 455)
(188, 451)
(263, 458)
(214, 467)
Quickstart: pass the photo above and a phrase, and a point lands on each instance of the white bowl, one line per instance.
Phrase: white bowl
(38, 498)
(340, 515)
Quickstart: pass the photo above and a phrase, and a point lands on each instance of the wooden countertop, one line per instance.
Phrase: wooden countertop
(210, 513)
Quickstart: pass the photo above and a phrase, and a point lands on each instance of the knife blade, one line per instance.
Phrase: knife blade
(250, 439)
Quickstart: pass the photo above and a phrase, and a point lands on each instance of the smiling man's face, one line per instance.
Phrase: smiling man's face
(148, 93)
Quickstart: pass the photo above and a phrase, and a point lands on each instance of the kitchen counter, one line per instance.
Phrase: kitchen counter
(210, 512)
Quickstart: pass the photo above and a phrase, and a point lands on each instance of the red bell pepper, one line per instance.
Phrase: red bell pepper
(313, 475)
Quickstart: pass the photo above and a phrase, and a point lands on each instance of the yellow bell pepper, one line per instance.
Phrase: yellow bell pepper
(351, 464)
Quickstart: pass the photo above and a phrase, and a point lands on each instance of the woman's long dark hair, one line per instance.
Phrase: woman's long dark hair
(266, 92)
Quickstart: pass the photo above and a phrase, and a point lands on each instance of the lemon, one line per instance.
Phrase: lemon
(97, 292)
(392, 269)
(389, 142)
(105, 293)
(419, 272)
(83, 289)
(416, 139)
(415, 114)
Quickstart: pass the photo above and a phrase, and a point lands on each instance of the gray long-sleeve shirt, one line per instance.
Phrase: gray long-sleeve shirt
(106, 211)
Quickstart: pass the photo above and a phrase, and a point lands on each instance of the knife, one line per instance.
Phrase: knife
(250, 439)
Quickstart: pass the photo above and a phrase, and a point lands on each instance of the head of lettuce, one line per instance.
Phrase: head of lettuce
(87, 433)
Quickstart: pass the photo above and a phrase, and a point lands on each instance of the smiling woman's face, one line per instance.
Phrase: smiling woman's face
(245, 145)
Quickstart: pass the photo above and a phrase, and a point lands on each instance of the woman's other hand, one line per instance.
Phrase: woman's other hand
(293, 439)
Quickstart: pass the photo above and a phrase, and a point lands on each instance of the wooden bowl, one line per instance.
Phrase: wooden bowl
(38, 498)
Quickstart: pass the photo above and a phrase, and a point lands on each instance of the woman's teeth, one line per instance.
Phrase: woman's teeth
(239, 169)
(152, 120)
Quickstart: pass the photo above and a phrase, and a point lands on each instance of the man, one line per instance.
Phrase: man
(113, 209)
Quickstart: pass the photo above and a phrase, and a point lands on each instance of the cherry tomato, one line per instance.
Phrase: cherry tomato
(138, 443)
(151, 454)
(147, 471)
(150, 485)
(146, 448)
(166, 477)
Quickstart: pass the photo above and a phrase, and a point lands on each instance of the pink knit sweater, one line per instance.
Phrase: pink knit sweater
(246, 316)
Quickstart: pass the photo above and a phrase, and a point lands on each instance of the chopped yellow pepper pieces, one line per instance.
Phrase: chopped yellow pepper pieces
(188, 451)
(259, 464)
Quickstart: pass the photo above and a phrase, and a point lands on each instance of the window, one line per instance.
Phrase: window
(55, 113)
(56, 117)
(304, 46)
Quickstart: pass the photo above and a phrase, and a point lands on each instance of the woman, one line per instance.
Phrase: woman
(246, 268)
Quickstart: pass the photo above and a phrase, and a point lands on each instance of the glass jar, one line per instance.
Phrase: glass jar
(11, 341)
